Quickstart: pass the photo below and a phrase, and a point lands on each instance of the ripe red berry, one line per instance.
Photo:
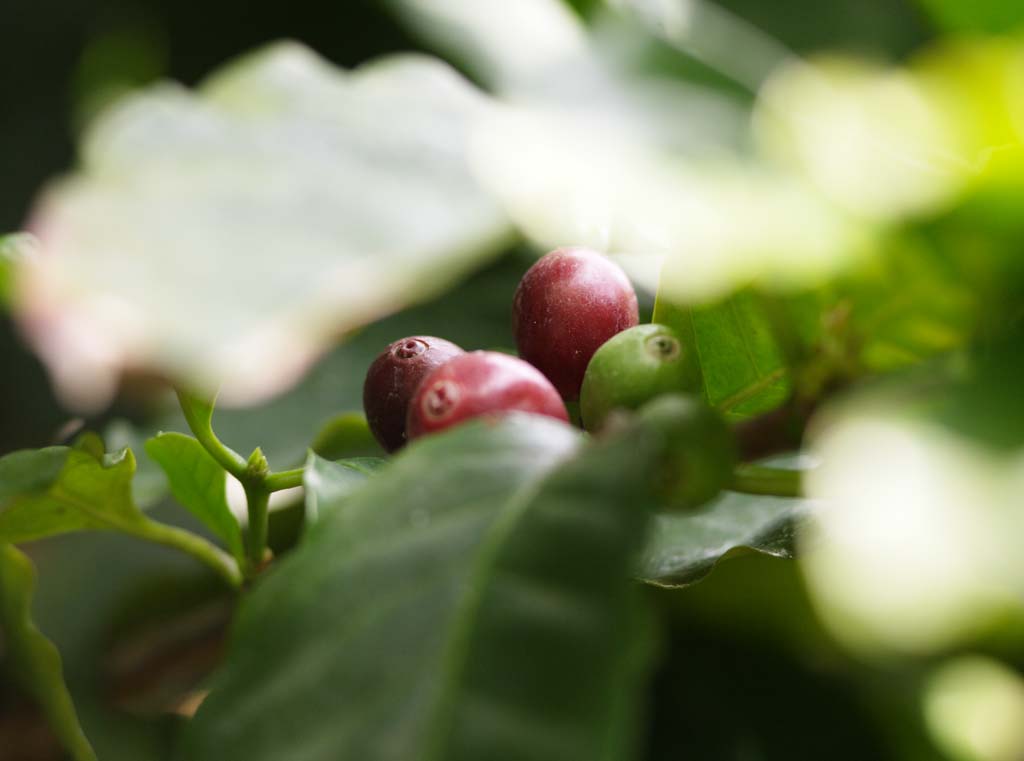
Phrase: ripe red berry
(567, 305)
(393, 379)
(480, 383)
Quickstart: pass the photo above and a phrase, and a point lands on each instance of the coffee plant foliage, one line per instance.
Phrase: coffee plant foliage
(838, 244)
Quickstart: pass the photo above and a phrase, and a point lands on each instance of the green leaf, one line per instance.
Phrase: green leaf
(199, 484)
(683, 548)
(743, 370)
(53, 491)
(150, 483)
(33, 657)
(328, 483)
(58, 490)
(91, 443)
(329, 197)
(30, 470)
(470, 602)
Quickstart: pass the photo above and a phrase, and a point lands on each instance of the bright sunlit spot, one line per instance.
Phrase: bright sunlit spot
(909, 548)
(974, 707)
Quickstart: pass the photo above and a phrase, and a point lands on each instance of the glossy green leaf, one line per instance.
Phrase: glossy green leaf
(53, 491)
(470, 602)
(33, 657)
(743, 371)
(683, 548)
(198, 483)
(359, 180)
(328, 483)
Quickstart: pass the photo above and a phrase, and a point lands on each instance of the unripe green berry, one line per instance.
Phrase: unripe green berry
(700, 452)
(634, 367)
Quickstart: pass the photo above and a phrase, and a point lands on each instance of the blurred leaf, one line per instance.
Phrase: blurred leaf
(643, 167)
(14, 250)
(115, 62)
(917, 550)
(901, 157)
(983, 404)
(711, 701)
(199, 484)
(972, 691)
(976, 16)
(480, 608)
(683, 548)
(491, 44)
(91, 443)
(912, 302)
(883, 29)
(53, 491)
(743, 372)
(33, 657)
(328, 483)
(328, 199)
(347, 435)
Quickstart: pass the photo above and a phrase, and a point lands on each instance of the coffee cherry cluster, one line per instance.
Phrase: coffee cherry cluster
(575, 322)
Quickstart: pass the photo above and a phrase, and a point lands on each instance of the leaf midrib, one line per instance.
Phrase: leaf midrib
(482, 569)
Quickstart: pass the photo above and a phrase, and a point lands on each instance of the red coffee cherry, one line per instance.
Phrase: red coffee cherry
(480, 383)
(567, 305)
(393, 379)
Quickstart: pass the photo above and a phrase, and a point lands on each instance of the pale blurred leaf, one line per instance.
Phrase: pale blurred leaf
(644, 167)
(225, 236)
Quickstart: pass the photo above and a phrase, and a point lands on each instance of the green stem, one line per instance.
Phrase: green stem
(194, 545)
(775, 482)
(202, 429)
(258, 498)
(286, 479)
